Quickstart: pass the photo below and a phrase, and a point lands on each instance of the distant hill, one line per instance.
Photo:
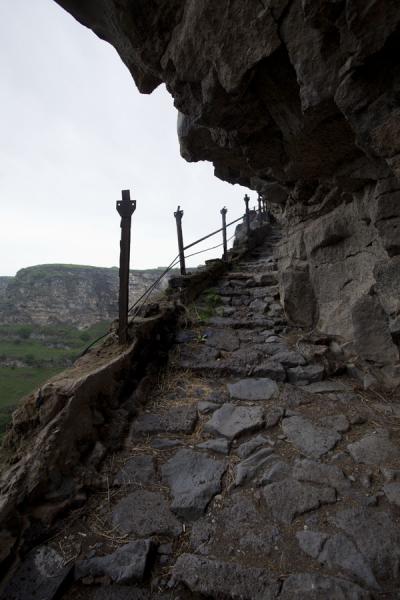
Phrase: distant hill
(76, 295)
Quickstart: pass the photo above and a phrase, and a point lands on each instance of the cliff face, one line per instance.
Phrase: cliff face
(298, 99)
(4, 281)
(72, 294)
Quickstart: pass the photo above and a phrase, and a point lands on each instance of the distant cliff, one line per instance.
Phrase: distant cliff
(4, 281)
(71, 294)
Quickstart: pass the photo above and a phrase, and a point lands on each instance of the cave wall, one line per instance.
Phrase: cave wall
(300, 100)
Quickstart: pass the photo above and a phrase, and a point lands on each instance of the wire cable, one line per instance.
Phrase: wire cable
(146, 294)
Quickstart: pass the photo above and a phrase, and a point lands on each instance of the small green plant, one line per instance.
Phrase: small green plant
(200, 338)
(213, 299)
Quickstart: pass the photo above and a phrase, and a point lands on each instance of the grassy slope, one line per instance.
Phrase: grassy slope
(19, 342)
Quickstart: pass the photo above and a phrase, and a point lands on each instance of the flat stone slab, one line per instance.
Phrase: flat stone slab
(219, 445)
(290, 358)
(128, 563)
(125, 592)
(232, 421)
(278, 470)
(326, 387)
(376, 535)
(194, 479)
(316, 472)
(246, 469)
(293, 396)
(310, 439)
(337, 422)
(204, 407)
(289, 498)
(40, 575)
(238, 525)
(312, 586)
(136, 471)
(304, 375)
(273, 416)
(218, 579)
(392, 492)
(337, 551)
(271, 369)
(247, 448)
(178, 419)
(253, 389)
(374, 449)
(144, 514)
(222, 339)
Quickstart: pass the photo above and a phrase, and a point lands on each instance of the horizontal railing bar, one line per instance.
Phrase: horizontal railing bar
(211, 234)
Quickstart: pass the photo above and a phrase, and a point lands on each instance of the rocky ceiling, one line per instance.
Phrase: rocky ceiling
(299, 99)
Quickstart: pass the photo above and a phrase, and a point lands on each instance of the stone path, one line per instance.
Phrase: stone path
(248, 475)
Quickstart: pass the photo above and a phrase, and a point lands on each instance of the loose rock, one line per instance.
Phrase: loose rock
(40, 575)
(249, 467)
(376, 535)
(137, 470)
(310, 439)
(247, 448)
(312, 586)
(253, 389)
(239, 527)
(288, 499)
(145, 513)
(194, 479)
(392, 491)
(232, 421)
(222, 579)
(374, 449)
(305, 375)
(316, 472)
(128, 563)
(220, 445)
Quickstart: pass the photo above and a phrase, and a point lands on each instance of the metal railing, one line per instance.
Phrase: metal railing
(126, 208)
(262, 211)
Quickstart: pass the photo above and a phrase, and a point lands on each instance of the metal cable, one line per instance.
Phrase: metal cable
(144, 297)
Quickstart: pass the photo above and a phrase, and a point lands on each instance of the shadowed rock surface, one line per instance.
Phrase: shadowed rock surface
(298, 100)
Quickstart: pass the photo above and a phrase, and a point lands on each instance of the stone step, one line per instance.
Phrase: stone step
(242, 323)
(240, 275)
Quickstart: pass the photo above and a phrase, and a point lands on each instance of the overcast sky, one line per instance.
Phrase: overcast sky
(74, 132)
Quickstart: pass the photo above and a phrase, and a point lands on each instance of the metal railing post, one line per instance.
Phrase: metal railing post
(264, 201)
(178, 216)
(223, 213)
(246, 201)
(125, 207)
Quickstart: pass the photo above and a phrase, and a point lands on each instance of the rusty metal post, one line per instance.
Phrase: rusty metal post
(125, 207)
(246, 201)
(223, 213)
(178, 216)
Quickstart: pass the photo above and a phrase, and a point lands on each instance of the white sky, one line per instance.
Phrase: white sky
(74, 132)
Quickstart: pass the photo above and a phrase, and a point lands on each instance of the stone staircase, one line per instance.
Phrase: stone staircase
(248, 474)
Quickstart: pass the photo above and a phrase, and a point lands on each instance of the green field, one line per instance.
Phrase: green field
(44, 351)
